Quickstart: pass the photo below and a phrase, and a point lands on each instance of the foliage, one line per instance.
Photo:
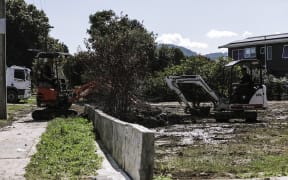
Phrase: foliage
(276, 87)
(66, 150)
(166, 56)
(27, 28)
(120, 50)
(210, 71)
(77, 66)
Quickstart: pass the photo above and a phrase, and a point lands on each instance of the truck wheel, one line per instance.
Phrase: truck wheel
(12, 97)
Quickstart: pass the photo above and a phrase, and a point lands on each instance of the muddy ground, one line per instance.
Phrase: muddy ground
(200, 148)
(189, 147)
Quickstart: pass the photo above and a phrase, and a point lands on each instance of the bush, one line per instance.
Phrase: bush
(277, 88)
(210, 71)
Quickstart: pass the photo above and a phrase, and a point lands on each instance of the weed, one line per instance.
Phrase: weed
(31, 100)
(66, 150)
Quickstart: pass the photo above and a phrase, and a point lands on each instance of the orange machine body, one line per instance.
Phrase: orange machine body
(47, 96)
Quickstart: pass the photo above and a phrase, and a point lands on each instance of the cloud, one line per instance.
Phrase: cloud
(177, 39)
(247, 34)
(220, 34)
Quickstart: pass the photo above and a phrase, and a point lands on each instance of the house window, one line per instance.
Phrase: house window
(269, 53)
(285, 52)
(249, 52)
(237, 54)
(241, 53)
(262, 50)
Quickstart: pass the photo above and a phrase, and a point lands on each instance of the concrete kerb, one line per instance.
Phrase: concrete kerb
(131, 145)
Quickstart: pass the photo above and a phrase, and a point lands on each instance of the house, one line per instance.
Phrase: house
(271, 49)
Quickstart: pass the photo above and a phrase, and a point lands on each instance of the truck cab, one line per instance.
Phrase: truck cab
(18, 83)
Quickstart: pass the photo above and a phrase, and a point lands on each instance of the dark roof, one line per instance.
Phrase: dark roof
(258, 40)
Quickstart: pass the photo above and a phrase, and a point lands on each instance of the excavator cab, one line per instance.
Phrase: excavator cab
(245, 84)
(52, 85)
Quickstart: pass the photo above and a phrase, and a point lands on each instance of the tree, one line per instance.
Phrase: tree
(166, 56)
(122, 49)
(77, 66)
(27, 28)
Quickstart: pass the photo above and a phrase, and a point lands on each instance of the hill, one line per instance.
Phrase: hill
(217, 55)
(186, 51)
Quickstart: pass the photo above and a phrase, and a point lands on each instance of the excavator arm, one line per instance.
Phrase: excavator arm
(182, 84)
(83, 91)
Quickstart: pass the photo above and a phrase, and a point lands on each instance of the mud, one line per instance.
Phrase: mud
(192, 131)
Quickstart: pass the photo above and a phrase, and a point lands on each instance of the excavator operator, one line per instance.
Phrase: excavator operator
(46, 78)
(246, 78)
(242, 90)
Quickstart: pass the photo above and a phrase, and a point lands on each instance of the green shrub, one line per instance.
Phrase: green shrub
(210, 71)
(276, 87)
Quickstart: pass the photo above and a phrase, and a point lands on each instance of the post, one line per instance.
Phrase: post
(3, 91)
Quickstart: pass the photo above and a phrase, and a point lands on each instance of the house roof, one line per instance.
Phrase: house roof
(258, 40)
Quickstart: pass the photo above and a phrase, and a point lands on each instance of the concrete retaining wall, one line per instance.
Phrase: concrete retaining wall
(131, 145)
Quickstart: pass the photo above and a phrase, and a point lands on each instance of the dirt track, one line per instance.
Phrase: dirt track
(176, 142)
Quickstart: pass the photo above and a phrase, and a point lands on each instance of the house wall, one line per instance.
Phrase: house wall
(277, 66)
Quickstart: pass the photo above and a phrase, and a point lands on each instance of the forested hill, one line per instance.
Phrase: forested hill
(189, 53)
(186, 51)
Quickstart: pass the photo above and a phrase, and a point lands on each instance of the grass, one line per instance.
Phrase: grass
(66, 151)
(256, 152)
(12, 111)
(31, 100)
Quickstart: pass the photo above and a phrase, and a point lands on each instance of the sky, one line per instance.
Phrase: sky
(199, 25)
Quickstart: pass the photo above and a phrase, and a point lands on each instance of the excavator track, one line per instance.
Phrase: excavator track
(49, 113)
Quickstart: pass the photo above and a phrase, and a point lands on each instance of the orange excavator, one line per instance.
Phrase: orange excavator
(53, 90)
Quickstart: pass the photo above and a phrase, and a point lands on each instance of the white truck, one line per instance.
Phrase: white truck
(18, 83)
